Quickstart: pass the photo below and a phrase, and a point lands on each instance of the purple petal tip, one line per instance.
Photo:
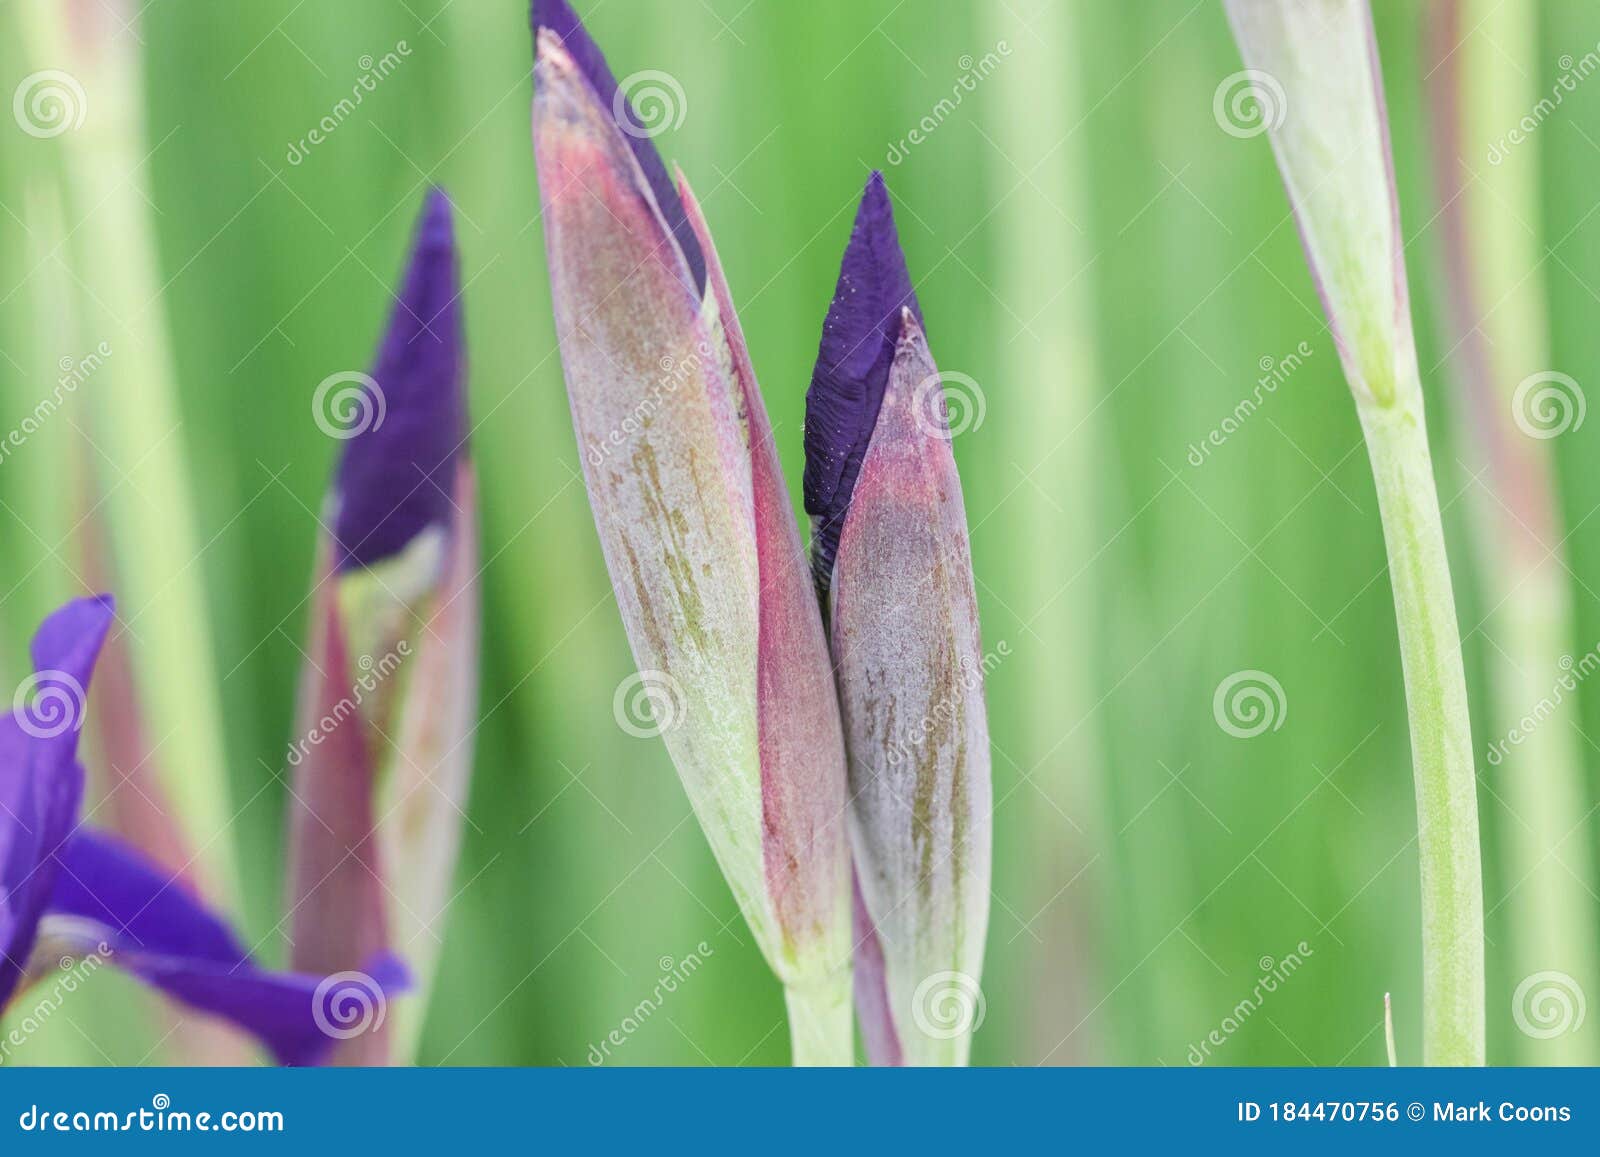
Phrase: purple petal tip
(41, 782)
(852, 370)
(558, 17)
(398, 472)
(69, 640)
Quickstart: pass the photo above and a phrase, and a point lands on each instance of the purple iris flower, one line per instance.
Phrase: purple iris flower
(67, 888)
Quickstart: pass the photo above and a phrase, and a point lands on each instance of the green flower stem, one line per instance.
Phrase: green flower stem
(1441, 737)
(821, 1026)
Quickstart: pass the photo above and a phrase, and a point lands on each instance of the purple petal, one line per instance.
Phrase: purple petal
(858, 344)
(41, 783)
(153, 927)
(298, 1017)
(69, 640)
(106, 881)
(396, 474)
(558, 17)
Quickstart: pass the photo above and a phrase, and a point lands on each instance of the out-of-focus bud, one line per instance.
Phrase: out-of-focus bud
(382, 754)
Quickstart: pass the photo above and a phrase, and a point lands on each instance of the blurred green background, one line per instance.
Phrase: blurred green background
(1110, 267)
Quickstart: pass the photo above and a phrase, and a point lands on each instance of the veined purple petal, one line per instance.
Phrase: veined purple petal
(154, 928)
(558, 17)
(852, 370)
(397, 473)
(41, 782)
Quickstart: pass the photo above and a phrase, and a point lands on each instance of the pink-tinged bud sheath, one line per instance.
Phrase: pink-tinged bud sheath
(696, 527)
(887, 506)
(382, 754)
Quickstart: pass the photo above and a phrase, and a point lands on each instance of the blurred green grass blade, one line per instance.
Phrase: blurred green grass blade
(136, 433)
(1044, 399)
(1570, 173)
(1498, 337)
